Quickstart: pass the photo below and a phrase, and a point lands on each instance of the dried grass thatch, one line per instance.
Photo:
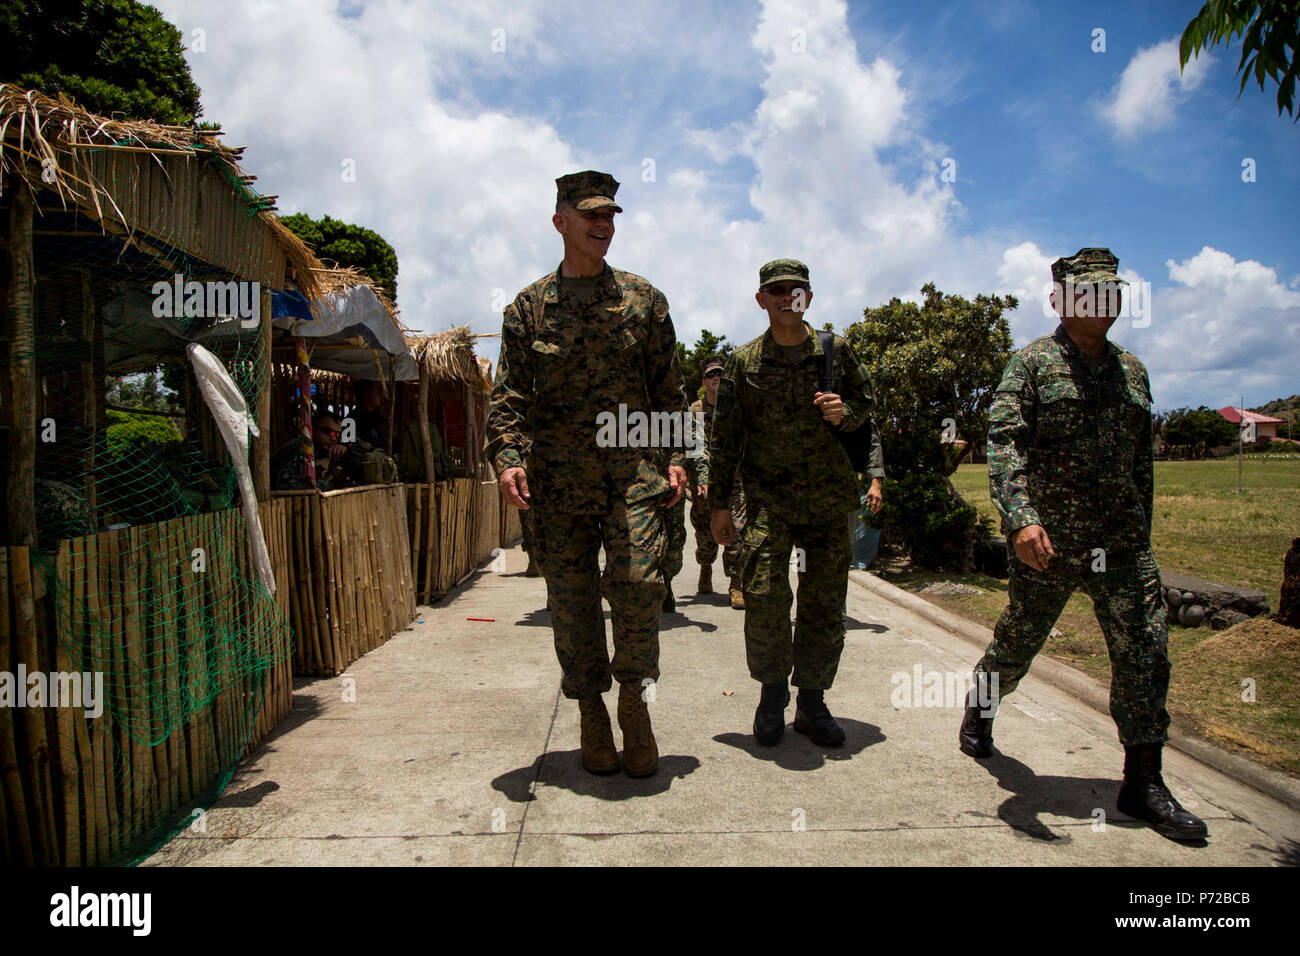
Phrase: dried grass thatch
(342, 279)
(53, 145)
(449, 356)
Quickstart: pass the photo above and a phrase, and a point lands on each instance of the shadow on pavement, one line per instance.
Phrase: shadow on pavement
(1077, 797)
(797, 752)
(1288, 854)
(563, 768)
(853, 624)
(538, 618)
(677, 620)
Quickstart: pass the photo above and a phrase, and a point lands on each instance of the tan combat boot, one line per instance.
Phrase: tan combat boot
(737, 597)
(706, 579)
(598, 753)
(640, 752)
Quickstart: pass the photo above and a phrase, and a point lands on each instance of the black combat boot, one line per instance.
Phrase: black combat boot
(976, 735)
(769, 719)
(670, 602)
(1144, 796)
(812, 717)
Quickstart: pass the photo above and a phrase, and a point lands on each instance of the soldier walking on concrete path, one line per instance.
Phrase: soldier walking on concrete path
(706, 549)
(582, 348)
(1070, 469)
(771, 422)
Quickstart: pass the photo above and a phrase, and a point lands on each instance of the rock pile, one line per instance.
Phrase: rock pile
(1192, 602)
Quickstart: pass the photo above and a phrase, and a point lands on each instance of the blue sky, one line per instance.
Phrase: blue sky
(811, 128)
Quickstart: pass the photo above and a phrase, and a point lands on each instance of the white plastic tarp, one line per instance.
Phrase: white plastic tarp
(354, 313)
(135, 335)
(227, 405)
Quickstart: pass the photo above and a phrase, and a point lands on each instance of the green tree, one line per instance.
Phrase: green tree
(934, 368)
(148, 390)
(349, 245)
(1197, 430)
(1270, 32)
(707, 344)
(111, 56)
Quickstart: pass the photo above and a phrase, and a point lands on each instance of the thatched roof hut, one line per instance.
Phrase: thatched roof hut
(140, 180)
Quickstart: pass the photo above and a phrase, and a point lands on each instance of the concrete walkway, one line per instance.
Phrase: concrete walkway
(459, 749)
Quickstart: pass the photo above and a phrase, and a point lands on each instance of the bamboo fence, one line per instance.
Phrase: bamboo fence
(79, 791)
(455, 526)
(350, 586)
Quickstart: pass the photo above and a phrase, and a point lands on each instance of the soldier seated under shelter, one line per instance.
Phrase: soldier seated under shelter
(338, 464)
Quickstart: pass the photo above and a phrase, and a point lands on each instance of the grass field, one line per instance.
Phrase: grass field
(1202, 527)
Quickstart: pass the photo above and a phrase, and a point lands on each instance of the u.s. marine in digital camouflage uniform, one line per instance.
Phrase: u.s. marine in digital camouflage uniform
(574, 346)
(706, 549)
(771, 423)
(1070, 470)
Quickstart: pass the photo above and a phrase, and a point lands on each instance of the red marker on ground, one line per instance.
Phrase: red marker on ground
(492, 619)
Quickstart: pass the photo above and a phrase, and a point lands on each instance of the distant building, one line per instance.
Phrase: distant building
(1265, 425)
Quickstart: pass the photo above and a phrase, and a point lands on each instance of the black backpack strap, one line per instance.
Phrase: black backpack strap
(826, 373)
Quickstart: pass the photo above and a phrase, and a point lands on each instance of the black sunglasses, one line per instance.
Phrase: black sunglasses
(713, 373)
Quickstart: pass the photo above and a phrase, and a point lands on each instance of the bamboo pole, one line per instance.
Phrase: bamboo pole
(141, 541)
(416, 513)
(392, 402)
(90, 394)
(304, 409)
(9, 761)
(37, 755)
(426, 442)
(106, 730)
(88, 551)
(261, 450)
(433, 534)
(21, 491)
(167, 569)
(208, 600)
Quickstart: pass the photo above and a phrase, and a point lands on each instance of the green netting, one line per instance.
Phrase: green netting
(141, 547)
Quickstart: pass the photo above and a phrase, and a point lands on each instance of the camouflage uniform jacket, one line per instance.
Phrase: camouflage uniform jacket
(288, 473)
(561, 365)
(697, 466)
(1070, 449)
(766, 423)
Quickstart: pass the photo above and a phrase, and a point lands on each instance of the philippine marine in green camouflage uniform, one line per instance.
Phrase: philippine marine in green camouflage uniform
(771, 421)
(1070, 469)
(578, 346)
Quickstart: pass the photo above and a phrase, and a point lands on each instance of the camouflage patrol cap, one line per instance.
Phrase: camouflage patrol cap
(587, 190)
(782, 270)
(1087, 266)
(713, 362)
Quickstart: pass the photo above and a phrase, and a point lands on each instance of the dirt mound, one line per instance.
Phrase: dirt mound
(1260, 637)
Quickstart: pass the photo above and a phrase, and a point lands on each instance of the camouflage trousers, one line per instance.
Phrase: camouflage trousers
(526, 534)
(1126, 599)
(634, 539)
(706, 549)
(814, 650)
(675, 526)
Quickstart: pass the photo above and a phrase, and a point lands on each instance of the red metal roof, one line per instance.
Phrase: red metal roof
(1233, 414)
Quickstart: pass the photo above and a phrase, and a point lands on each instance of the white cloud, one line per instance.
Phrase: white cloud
(1224, 329)
(842, 175)
(1150, 89)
